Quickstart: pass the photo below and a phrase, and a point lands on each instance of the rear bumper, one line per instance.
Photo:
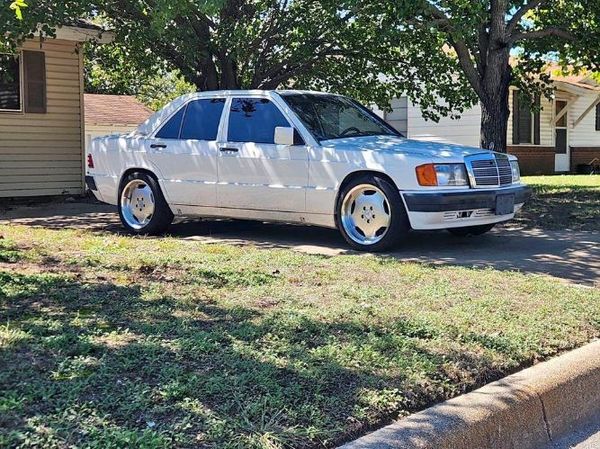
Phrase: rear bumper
(104, 187)
(90, 182)
(444, 210)
(458, 201)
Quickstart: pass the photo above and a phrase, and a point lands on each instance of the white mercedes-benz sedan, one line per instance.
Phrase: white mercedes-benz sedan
(299, 157)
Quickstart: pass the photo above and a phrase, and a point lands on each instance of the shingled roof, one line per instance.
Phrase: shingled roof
(108, 110)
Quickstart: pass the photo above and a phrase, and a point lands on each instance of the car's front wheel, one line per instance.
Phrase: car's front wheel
(371, 215)
(142, 206)
(471, 230)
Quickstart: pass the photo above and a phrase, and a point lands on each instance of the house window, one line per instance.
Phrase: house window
(526, 123)
(10, 83)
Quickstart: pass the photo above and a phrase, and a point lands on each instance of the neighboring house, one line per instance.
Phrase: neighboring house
(41, 120)
(112, 114)
(565, 134)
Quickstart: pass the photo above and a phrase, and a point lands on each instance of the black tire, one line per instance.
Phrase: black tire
(399, 224)
(162, 217)
(471, 230)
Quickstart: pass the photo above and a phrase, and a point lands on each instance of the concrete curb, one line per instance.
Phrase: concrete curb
(527, 410)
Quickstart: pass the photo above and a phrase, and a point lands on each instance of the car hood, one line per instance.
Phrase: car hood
(393, 144)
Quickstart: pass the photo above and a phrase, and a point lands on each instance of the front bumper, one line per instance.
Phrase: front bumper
(443, 210)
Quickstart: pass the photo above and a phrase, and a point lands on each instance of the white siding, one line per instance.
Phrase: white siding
(398, 118)
(464, 131)
(584, 134)
(408, 119)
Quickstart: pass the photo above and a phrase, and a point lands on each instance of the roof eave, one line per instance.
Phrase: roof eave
(78, 34)
(575, 88)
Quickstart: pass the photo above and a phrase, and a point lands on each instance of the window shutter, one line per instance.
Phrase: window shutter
(537, 122)
(515, 115)
(34, 65)
(598, 117)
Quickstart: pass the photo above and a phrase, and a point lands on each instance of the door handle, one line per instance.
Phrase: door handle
(230, 150)
(158, 145)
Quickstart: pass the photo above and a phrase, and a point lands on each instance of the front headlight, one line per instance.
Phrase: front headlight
(451, 174)
(442, 175)
(516, 171)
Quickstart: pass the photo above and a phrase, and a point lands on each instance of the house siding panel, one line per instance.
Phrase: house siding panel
(584, 134)
(41, 154)
(464, 131)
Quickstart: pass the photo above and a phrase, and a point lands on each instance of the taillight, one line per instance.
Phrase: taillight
(90, 161)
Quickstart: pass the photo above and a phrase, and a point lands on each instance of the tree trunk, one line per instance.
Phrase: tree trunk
(494, 123)
(494, 99)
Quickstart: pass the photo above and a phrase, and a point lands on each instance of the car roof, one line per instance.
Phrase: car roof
(233, 93)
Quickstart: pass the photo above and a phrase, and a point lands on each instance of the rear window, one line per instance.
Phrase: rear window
(171, 129)
(202, 119)
(254, 120)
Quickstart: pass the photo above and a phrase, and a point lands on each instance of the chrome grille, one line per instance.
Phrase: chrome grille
(489, 170)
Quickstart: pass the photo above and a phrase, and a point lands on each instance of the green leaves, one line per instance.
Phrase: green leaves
(17, 7)
(369, 49)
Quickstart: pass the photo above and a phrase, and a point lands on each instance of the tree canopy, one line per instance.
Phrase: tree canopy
(456, 50)
(228, 44)
(482, 36)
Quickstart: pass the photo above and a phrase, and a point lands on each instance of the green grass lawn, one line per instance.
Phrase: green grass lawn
(563, 202)
(109, 341)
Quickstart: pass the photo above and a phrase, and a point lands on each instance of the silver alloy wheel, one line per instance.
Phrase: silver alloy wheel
(137, 204)
(366, 214)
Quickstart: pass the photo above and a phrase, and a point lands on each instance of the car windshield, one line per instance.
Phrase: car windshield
(334, 117)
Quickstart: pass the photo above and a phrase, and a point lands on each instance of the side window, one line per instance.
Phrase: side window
(171, 129)
(10, 83)
(254, 120)
(202, 119)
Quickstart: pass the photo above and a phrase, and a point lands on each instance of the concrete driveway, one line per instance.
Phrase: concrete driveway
(570, 256)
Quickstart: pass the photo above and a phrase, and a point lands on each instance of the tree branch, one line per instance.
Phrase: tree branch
(539, 34)
(466, 62)
(516, 19)
(462, 51)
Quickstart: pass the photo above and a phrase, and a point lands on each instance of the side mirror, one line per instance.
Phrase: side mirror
(287, 136)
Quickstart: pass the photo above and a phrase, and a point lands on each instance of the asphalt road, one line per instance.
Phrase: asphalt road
(568, 255)
(585, 437)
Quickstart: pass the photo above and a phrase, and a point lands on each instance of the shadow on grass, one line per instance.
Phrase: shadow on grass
(101, 365)
(560, 207)
(563, 254)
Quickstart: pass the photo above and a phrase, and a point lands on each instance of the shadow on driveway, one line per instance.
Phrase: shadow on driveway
(573, 256)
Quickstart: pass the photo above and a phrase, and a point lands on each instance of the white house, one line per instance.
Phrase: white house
(563, 135)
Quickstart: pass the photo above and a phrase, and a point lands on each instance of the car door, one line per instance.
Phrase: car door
(184, 151)
(254, 172)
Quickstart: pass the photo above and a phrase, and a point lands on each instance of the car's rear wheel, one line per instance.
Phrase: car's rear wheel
(471, 230)
(370, 214)
(142, 206)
